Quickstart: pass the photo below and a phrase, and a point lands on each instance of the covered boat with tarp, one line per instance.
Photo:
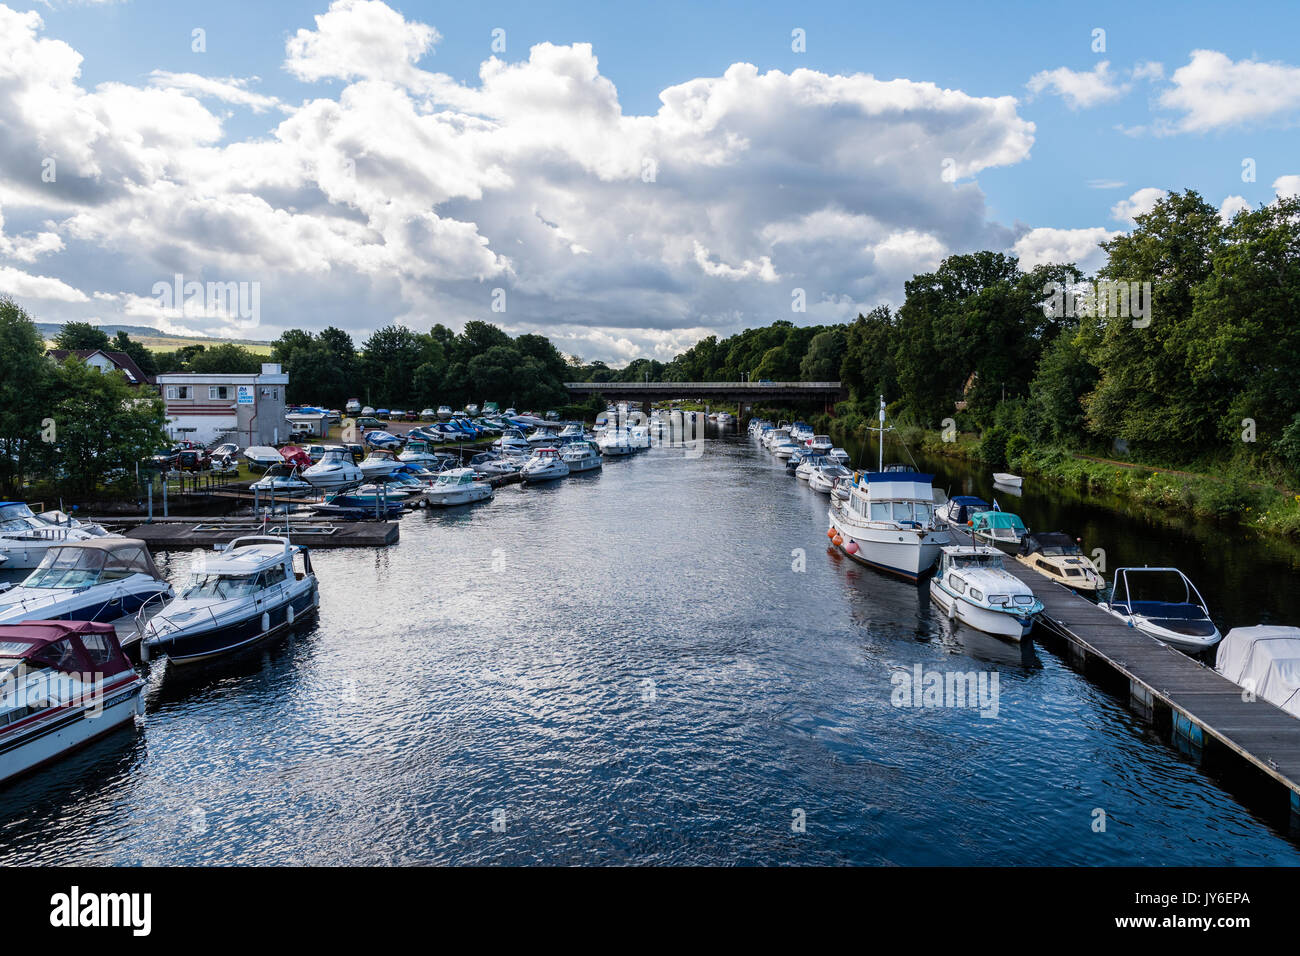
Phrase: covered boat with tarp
(1265, 660)
(1002, 529)
(1058, 557)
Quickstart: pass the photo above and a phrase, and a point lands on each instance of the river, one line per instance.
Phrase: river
(661, 663)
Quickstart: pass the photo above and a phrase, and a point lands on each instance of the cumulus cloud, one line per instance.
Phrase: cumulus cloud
(394, 192)
(1231, 206)
(1044, 246)
(1286, 186)
(1079, 89)
(1138, 204)
(1212, 91)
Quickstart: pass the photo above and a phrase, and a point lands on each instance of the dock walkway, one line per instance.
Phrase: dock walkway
(1202, 705)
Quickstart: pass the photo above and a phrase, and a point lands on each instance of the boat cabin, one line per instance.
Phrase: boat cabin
(88, 563)
(901, 499)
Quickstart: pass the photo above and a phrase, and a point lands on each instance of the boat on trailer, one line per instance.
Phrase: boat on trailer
(63, 684)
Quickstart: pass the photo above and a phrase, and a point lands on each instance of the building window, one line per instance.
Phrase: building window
(218, 392)
(180, 392)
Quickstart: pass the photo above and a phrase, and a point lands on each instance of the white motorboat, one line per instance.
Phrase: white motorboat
(840, 455)
(570, 432)
(725, 419)
(1264, 659)
(580, 456)
(380, 463)
(1184, 624)
(808, 463)
(820, 444)
(353, 406)
(104, 579)
(263, 456)
(888, 521)
(786, 448)
(974, 587)
(1008, 479)
(418, 452)
(513, 442)
(471, 408)
(638, 436)
(775, 436)
(1002, 529)
(335, 470)
(490, 464)
(456, 486)
(444, 412)
(545, 465)
(243, 595)
(281, 480)
(543, 436)
(62, 685)
(823, 478)
(614, 443)
(26, 537)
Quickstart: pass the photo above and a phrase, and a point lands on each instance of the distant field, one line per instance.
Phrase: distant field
(164, 343)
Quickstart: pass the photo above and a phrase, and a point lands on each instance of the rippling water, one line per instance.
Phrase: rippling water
(626, 667)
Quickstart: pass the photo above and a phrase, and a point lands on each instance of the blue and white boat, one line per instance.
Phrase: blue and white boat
(1183, 622)
(103, 579)
(240, 597)
(974, 587)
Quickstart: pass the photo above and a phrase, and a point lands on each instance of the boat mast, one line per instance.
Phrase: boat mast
(881, 466)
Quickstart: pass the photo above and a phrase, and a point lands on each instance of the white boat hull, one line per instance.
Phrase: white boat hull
(905, 553)
(1190, 644)
(461, 496)
(997, 623)
(75, 728)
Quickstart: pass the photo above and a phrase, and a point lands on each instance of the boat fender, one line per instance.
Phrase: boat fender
(289, 614)
(266, 621)
(830, 532)
(852, 547)
(952, 611)
(837, 541)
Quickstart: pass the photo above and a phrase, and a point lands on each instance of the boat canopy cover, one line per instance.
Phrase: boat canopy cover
(970, 501)
(295, 456)
(1043, 540)
(1269, 656)
(69, 646)
(121, 555)
(998, 519)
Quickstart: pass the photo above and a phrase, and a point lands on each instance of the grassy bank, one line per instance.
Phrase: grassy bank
(1224, 492)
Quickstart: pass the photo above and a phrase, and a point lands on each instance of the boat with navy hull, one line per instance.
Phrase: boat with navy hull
(240, 597)
(104, 579)
(63, 684)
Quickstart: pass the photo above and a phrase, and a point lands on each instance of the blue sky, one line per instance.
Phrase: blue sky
(1096, 141)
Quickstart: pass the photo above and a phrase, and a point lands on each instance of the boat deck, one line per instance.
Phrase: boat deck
(183, 534)
(1203, 707)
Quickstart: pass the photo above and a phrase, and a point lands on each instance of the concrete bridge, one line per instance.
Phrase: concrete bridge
(742, 394)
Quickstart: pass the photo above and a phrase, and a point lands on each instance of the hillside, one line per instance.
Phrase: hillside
(158, 341)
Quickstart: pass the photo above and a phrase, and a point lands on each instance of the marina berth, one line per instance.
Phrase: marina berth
(255, 588)
(581, 456)
(973, 586)
(63, 684)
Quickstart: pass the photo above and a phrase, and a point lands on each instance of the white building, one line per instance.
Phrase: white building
(248, 409)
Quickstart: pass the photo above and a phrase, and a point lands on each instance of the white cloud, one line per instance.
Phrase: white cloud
(1079, 89)
(1044, 246)
(1148, 70)
(1138, 204)
(1231, 206)
(1213, 91)
(229, 90)
(21, 285)
(1286, 186)
(399, 194)
(1106, 184)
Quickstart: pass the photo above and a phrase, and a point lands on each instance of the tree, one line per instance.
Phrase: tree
(26, 395)
(139, 353)
(103, 426)
(825, 355)
(75, 336)
(226, 358)
(868, 367)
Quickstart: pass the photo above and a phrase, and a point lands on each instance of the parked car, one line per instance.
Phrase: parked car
(411, 416)
(193, 459)
(299, 436)
(367, 422)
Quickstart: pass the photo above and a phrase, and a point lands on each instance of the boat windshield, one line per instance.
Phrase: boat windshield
(976, 560)
(82, 567)
(13, 516)
(225, 586)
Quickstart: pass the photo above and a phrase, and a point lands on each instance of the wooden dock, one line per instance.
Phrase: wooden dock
(184, 534)
(1203, 710)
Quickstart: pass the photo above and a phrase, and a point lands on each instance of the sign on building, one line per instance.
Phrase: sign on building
(246, 395)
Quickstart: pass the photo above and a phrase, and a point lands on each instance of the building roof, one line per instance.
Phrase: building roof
(122, 360)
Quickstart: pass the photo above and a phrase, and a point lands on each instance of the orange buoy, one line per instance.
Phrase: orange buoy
(830, 532)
